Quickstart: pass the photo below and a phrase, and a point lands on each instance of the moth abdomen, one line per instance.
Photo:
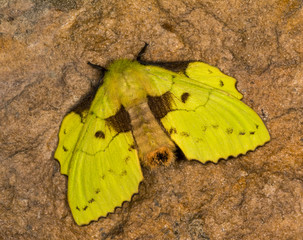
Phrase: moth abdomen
(161, 156)
(154, 146)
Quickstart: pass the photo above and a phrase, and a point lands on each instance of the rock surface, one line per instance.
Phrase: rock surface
(44, 48)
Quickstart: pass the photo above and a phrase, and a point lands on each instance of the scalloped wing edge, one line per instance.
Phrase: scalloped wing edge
(231, 156)
(111, 211)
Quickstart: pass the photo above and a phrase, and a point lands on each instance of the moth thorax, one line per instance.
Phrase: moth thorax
(154, 146)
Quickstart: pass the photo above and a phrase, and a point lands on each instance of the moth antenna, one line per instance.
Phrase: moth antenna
(142, 51)
(103, 70)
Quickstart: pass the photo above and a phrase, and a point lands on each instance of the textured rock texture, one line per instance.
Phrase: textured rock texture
(44, 47)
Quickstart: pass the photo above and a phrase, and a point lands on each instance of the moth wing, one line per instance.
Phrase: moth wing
(68, 135)
(197, 73)
(208, 124)
(102, 166)
(212, 76)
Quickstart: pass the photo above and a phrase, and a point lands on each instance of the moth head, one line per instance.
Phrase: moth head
(125, 79)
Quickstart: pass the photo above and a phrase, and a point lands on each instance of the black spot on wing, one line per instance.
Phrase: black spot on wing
(184, 97)
(126, 159)
(85, 208)
(172, 131)
(252, 132)
(229, 130)
(100, 134)
(120, 122)
(204, 128)
(160, 105)
(65, 149)
(242, 133)
(221, 83)
(131, 147)
(91, 201)
(184, 134)
(97, 191)
(83, 117)
(78, 208)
